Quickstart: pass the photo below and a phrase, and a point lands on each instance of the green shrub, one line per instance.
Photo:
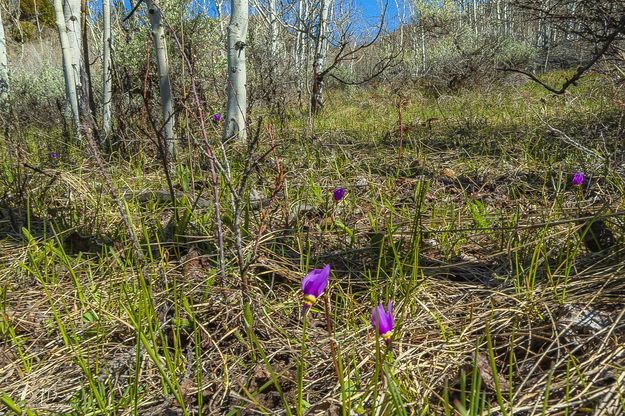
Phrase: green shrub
(23, 32)
(41, 9)
(37, 89)
(462, 58)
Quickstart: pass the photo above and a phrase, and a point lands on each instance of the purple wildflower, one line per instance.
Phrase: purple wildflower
(338, 194)
(578, 179)
(314, 284)
(216, 118)
(54, 155)
(383, 321)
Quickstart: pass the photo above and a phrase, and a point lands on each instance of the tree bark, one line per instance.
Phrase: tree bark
(273, 29)
(219, 7)
(68, 70)
(107, 79)
(235, 125)
(4, 65)
(316, 97)
(164, 82)
(423, 50)
(475, 5)
(85, 69)
(299, 49)
(71, 13)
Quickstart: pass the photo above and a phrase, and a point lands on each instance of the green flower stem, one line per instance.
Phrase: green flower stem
(301, 368)
(579, 197)
(333, 347)
(377, 375)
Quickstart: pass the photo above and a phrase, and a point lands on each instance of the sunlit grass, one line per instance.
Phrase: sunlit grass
(472, 234)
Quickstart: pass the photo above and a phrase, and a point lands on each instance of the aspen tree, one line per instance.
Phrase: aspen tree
(4, 65)
(71, 13)
(68, 70)
(164, 82)
(237, 76)
(300, 47)
(106, 71)
(316, 97)
(273, 28)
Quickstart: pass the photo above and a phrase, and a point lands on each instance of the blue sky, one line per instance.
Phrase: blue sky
(369, 9)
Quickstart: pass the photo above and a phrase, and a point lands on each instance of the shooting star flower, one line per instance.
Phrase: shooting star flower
(314, 284)
(382, 321)
(578, 179)
(338, 194)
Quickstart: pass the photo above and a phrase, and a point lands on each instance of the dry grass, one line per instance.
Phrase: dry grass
(474, 234)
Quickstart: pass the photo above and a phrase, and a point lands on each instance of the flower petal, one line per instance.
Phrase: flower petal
(381, 320)
(338, 194)
(373, 317)
(578, 179)
(316, 281)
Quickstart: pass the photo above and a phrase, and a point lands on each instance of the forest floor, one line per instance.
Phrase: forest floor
(465, 218)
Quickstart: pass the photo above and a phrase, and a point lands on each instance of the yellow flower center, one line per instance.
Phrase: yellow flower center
(387, 336)
(309, 300)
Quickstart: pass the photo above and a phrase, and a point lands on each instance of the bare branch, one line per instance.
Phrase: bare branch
(339, 57)
(134, 9)
(580, 70)
(387, 63)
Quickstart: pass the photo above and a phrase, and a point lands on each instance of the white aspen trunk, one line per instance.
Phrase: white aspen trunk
(273, 29)
(540, 32)
(572, 24)
(107, 79)
(218, 6)
(352, 62)
(475, 16)
(299, 48)
(71, 12)
(547, 42)
(414, 50)
(423, 56)
(506, 17)
(237, 76)
(164, 82)
(325, 44)
(510, 16)
(413, 26)
(402, 21)
(68, 70)
(37, 21)
(4, 65)
(498, 3)
(316, 96)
